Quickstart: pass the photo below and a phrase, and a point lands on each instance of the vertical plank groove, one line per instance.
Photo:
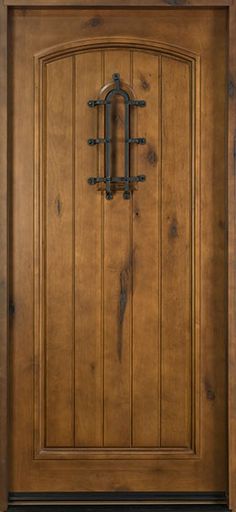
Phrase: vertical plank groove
(73, 229)
(192, 239)
(197, 266)
(102, 264)
(160, 245)
(133, 123)
(42, 260)
(195, 256)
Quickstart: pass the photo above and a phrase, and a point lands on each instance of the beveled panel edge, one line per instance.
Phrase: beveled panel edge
(114, 42)
(114, 453)
(195, 234)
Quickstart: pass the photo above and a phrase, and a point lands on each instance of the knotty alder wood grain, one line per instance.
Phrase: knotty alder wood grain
(117, 283)
(88, 261)
(177, 280)
(118, 368)
(147, 264)
(59, 255)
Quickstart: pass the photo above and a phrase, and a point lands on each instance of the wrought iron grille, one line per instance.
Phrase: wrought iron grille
(108, 179)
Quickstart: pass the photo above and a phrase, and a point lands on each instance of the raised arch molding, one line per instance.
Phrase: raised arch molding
(84, 45)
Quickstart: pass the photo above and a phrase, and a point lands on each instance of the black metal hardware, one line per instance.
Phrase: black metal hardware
(121, 179)
(137, 103)
(94, 103)
(108, 179)
(92, 142)
(140, 140)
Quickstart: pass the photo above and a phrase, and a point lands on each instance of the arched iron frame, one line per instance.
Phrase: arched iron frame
(108, 179)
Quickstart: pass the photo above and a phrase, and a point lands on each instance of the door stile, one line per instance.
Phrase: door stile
(231, 258)
(3, 261)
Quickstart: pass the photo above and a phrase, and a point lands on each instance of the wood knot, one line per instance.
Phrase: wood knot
(58, 206)
(92, 366)
(144, 83)
(221, 224)
(116, 118)
(123, 298)
(96, 21)
(173, 229)
(231, 88)
(175, 3)
(210, 393)
(152, 157)
(124, 279)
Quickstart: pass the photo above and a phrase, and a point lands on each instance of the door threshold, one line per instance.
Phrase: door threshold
(118, 507)
(119, 501)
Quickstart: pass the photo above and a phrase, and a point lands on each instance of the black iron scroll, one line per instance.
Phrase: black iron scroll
(109, 179)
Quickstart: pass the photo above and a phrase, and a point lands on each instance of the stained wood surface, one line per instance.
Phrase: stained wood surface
(88, 241)
(59, 248)
(3, 266)
(127, 275)
(231, 260)
(124, 382)
(147, 264)
(177, 279)
(117, 282)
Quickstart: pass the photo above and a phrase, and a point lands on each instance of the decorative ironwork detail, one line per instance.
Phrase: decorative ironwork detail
(92, 142)
(121, 179)
(140, 140)
(108, 179)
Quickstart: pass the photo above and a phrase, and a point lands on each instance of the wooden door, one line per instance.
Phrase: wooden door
(118, 326)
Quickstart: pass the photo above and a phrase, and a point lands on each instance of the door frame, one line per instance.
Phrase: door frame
(5, 307)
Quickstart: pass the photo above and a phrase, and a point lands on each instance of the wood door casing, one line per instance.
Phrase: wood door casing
(126, 353)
